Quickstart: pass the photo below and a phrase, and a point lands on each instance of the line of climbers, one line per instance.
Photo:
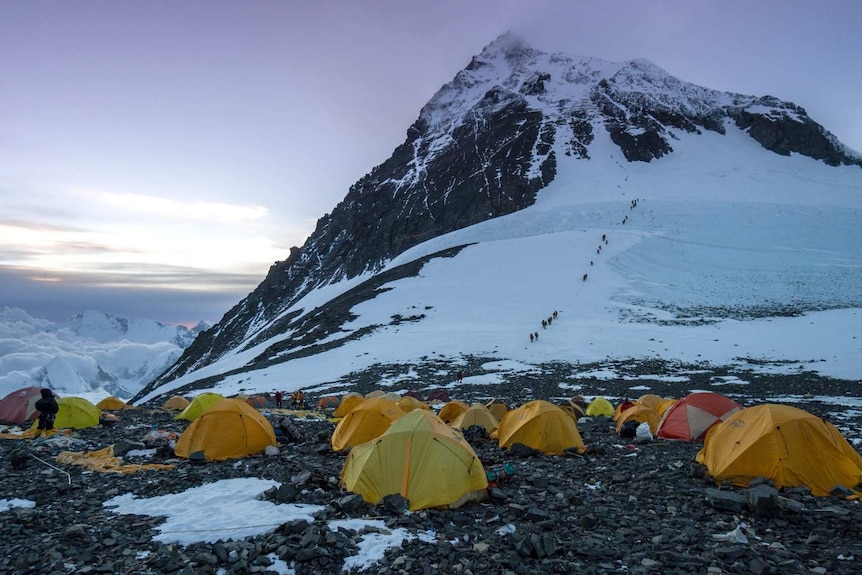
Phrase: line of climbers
(534, 336)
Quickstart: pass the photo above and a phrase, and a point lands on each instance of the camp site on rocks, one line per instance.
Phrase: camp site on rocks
(581, 316)
(149, 492)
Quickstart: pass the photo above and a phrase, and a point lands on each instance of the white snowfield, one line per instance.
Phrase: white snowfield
(720, 224)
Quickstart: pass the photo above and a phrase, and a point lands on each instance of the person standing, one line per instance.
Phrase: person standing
(278, 397)
(460, 376)
(47, 408)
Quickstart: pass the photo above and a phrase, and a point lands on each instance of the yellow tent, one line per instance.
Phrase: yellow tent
(419, 457)
(408, 403)
(351, 394)
(641, 414)
(498, 407)
(75, 413)
(348, 403)
(375, 394)
(477, 414)
(176, 403)
(365, 422)
(600, 407)
(229, 429)
(572, 409)
(452, 410)
(540, 425)
(198, 405)
(111, 403)
(666, 404)
(649, 400)
(787, 445)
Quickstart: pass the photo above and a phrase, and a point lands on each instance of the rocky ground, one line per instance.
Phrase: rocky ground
(620, 508)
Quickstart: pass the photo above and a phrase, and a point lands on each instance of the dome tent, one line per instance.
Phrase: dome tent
(111, 403)
(498, 407)
(230, 429)
(787, 445)
(540, 425)
(348, 403)
(198, 405)
(691, 417)
(641, 414)
(571, 409)
(176, 403)
(420, 458)
(327, 402)
(450, 411)
(75, 413)
(19, 406)
(650, 400)
(408, 403)
(365, 422)
(476, 414)
(600, 407)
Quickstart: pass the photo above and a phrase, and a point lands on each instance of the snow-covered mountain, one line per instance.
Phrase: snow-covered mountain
(90, 353)
(647, 209)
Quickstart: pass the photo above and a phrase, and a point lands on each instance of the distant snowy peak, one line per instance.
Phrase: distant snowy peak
(104, 327)
(93, 351)
(77, 376)
(632, 98)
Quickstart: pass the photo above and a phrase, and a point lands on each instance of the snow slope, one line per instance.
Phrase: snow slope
(724, 232)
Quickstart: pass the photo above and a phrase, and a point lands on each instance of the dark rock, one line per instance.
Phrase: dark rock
(286, 493)
(725, 500)
(123, 446)
(841, 492)
(294, 527)
(395, 503)
(349, 503)
(763, 500)
(521, 450)
(197, 457)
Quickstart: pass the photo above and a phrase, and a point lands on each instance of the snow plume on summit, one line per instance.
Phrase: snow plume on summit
(660, 218)
(93, 353)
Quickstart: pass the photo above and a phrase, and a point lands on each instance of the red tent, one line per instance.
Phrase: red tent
(692, 416)
(20, 405)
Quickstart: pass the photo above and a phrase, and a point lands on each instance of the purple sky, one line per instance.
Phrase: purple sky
(156, 156)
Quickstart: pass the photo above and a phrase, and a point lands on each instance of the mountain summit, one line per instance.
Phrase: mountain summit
(520, 131)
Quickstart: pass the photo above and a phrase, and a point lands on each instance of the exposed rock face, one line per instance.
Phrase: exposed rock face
(483, 147)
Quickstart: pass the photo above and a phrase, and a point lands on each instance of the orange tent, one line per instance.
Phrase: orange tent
(365, 422)
(229, 429)
(498, 407)
(256, 401)
(111, 403)
(176, 403)
(327, 402)
(692, 416)
(451, 410)
(540, 425)
(477, 414)
(641, 414)
(408, 403)
(348, 403)
(649, 400)
(787, 445)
